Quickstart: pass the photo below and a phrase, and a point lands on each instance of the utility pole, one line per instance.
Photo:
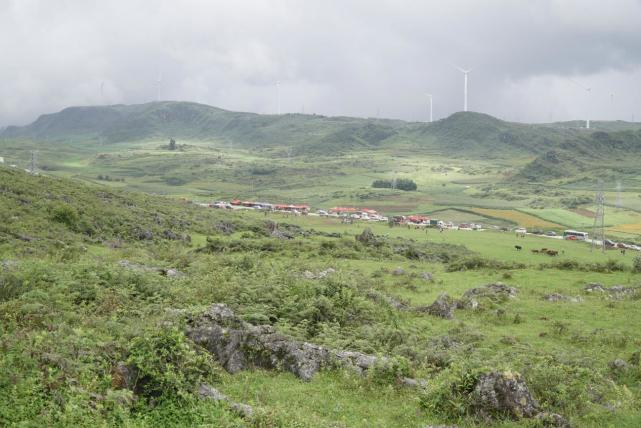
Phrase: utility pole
(34, 161)
(598, 229)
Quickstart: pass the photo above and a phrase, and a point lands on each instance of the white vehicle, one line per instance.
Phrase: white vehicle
(521, 231)
(321, 212)
(364, 216)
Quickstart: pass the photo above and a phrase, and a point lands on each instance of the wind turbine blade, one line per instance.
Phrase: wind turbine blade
(579, 85)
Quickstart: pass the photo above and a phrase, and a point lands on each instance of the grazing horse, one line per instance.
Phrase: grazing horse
(518, 247)
(623, 251)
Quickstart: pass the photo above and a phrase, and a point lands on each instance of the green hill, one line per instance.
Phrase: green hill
(473, 133)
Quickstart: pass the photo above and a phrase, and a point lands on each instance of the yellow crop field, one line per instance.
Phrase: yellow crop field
(632, 228)
(520, 218)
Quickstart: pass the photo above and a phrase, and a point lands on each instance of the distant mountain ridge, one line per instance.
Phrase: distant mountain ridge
(467, 133)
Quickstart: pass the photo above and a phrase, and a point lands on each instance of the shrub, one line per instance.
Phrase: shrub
(636, 264)
(389, 371)
(401, 184)
(167, 365)
(65, 214)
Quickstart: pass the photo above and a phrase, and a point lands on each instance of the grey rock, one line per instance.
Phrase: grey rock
(619, 365)
(387, 300)
(281, 235)
(442, 307)
(225, 228)
(399, 271)
(171, 235)
(556, 297)
(367, 237)
(467, 303)
(239, 345)
(8, 264)
(123, 376)
(211, 393)
(615, 292)
(320, 275)
(548, 419)
(491, 291)
(427, 276)
(503, 393)
(145, 235)
(413, 383)
(594, 287)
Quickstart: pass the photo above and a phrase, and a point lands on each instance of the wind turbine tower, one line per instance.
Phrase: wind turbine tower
(430, 97)
(278, 95)
(158, 82)
(588, 91)
(465, 73)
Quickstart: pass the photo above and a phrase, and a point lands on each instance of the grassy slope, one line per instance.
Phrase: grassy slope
(467, 160)
(69, 312)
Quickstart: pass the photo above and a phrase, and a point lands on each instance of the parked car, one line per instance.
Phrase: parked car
(321, 212)
(550, 233)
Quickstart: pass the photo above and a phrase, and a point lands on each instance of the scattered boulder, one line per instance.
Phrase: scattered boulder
(8, 264)
(399, 271)
(503, 393)
(387, 300)
(467, 303)
(496, 291)
(548, 419)
(123, 376)
(239, 345)
(209, 392)
(171, 235)
(619, 365)
(615, 292)
(367, 237)
(320, 275)
(279, 234)
(168, 272)
(413, 383)
(442, 307)
(556, 297)
(225, 228)
(427, 276)
(145, 235)
(594, 287)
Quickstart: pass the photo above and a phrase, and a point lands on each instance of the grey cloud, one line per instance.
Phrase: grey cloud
(331, 57)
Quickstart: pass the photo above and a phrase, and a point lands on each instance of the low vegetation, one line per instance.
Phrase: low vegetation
(98, 288)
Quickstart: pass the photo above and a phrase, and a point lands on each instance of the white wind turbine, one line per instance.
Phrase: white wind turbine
(158, 82)
(465, 73)
(588, 92)
(430, 97)
(278, 95)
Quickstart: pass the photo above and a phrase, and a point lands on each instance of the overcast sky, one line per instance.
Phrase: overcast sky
(530, 59)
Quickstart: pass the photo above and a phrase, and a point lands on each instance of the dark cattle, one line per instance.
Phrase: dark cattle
(552, 253)
(518, 247)
(535, 251)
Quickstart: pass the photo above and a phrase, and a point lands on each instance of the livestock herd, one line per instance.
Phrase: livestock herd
(548, 251)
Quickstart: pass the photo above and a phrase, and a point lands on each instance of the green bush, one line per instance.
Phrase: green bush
(65, 214)
(167, 365)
